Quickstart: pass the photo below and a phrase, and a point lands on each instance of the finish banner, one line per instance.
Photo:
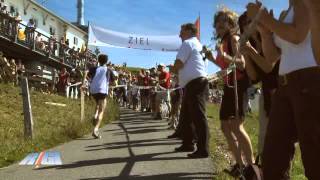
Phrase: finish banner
(103, 37)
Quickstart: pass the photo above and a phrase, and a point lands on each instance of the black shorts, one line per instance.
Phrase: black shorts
(99, 96)
(227, 109)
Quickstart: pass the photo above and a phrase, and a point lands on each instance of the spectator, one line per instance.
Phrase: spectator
(232, 119)
(294, 115)
(63, 82)
(13, 69)
(21, 34)
(15, 26)
(30, 31)
(79, 79)
(176, 99)
(193, 77)
(153, 78)
(20, 71)
(39, 43)
(4, 68)
(164, 82)
(72, 89)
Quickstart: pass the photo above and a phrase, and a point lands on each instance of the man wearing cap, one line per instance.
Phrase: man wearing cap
(164, 82)
(191, 68)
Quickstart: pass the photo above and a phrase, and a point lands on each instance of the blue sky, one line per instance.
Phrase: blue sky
(151, 17)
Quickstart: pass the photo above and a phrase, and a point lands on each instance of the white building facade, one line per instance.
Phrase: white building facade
(47, 23)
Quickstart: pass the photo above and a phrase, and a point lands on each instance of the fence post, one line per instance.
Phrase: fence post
(28, 120)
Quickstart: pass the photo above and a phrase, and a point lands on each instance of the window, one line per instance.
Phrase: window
(12, 9)
(52, 30)
(75, 41)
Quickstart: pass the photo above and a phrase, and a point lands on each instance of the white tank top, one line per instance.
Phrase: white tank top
(294, 56)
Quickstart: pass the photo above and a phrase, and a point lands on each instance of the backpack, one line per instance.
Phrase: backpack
(253, 171)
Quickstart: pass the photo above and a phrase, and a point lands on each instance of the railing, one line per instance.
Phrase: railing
(29, 37)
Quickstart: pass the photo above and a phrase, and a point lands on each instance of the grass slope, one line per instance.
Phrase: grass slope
(218, 145)
(53, 125)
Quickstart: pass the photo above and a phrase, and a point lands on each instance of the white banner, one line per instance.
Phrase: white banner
(103, 37)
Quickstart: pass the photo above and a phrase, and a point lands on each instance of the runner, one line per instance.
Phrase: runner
(99, 86)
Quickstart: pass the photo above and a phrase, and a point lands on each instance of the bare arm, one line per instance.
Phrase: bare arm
(210, 57)
(239, 60)
(251, 71)
(178, 64)
(270, 50)
(295, 32)
(259, 60)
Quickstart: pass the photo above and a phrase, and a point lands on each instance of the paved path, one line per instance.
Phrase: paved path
(133, 148)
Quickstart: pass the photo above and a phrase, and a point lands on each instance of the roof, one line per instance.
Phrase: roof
(56, 16)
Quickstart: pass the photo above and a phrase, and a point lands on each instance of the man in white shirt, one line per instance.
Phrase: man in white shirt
(191, 68)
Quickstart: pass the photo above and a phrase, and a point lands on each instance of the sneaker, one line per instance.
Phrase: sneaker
(184, 148)
(96, 134)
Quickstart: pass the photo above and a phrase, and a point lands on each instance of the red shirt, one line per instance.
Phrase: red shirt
(165, 76)
(63, 78)
(146, 81)
(223, 65)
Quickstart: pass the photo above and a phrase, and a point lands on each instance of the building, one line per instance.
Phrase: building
(53, 43)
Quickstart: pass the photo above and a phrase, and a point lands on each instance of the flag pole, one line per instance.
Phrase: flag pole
(82, 103)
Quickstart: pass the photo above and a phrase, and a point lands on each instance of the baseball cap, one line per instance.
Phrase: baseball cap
(162, 65)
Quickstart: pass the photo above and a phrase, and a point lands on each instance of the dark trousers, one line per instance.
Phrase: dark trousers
(194, 113)
(294, 117)
(182, 122)
(72, 89)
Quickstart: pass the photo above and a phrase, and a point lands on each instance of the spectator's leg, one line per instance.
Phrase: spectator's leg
(263, 124)
(280, 138)
(306, 100)
(197, 111)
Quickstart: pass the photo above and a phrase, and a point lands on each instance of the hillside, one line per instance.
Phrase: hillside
(53, 125)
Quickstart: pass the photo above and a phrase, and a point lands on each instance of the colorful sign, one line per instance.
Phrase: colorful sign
(43, 158)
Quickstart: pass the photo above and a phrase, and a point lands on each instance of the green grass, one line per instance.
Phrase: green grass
(53, 125)
(219, 149)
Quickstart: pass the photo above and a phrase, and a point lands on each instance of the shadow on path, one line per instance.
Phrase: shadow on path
(169, 176)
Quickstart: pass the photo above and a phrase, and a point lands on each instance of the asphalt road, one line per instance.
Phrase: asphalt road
(133, 148)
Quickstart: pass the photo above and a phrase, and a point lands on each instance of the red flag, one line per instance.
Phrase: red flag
(197, 23)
